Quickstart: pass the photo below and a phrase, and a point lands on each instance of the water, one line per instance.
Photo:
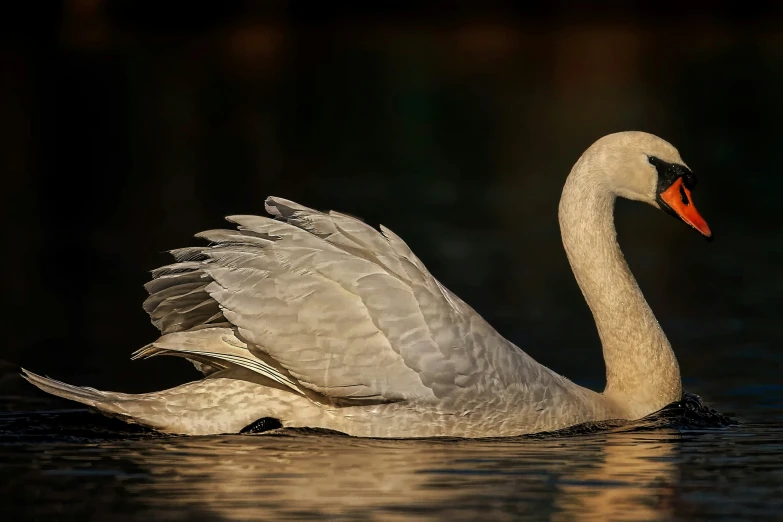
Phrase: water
(70, 464)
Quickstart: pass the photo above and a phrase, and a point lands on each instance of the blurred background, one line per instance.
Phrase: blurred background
(126, 127)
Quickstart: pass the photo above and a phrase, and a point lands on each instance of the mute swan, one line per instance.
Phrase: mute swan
(319, 320)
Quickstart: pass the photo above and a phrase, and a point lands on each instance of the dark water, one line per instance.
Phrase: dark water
(677, 465)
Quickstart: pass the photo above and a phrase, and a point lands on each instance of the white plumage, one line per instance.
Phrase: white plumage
(320, 320)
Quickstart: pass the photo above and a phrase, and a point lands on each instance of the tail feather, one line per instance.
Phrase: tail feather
(209, 406)
(103, 401)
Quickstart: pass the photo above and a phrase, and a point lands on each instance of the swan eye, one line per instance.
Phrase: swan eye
(684, 196)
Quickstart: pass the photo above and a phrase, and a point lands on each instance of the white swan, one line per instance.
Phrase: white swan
(319, 320)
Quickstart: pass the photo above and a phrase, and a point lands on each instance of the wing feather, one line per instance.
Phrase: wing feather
(345, 310)
(218, 348)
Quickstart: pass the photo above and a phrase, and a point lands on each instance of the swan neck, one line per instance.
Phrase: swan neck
(642, 374)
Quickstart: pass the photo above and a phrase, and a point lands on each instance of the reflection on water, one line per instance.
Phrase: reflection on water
(283, 476)
(634, 480)
(298, 475)
(624, 473)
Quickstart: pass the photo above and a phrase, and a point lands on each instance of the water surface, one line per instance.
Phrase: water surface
(70, 464)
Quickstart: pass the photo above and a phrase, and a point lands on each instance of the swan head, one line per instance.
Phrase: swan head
(644, 167)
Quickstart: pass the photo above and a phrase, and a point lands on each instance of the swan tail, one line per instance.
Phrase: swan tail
(105, 402)
(226, 402)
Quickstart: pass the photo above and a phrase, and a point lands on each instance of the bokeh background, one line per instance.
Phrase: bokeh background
(126, 127)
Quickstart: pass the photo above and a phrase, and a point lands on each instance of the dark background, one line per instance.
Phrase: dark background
(126, 127)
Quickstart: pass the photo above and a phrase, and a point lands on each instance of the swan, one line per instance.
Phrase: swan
(319, 320)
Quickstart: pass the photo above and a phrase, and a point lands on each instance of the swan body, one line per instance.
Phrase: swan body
(319, 320)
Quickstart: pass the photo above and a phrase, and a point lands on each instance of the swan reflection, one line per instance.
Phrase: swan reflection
(615, 475)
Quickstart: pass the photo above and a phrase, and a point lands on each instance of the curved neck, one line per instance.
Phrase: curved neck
(642, 374)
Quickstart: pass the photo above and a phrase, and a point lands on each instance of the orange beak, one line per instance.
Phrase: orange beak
(678, 197)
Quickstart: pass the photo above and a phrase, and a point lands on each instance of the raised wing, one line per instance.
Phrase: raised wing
(347, 311)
